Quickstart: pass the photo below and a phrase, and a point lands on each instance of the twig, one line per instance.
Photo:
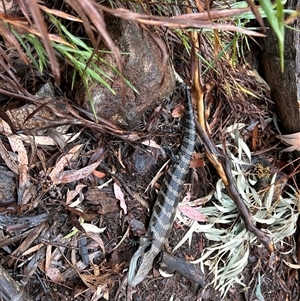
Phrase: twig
(127, 189)
(222, 164)
(9, 288)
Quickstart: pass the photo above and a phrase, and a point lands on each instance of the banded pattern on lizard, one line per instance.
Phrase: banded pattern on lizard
(166, 204)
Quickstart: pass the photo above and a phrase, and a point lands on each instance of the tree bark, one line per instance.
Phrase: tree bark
(285, 86)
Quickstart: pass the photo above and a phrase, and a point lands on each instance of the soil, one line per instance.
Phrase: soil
(81, 205)
(109, 258)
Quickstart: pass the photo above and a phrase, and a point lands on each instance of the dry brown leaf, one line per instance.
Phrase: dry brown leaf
(6, 5)
(151, 143)
(46, 140)
(64, 161)
(54, 274)
(7, 158)
(93, 281)
(33, 249)
(120, 196)
(99, 174)
(12, 40)
(48, 258)
(108, 205)
(197, 161)
(4, 128)
(60, 14)
(74, 175)
(71, 194)
(29, 240)
(192, 213)
(193, 20)
(178, 111)
(25, 29)
(102, 293)
(18, 148)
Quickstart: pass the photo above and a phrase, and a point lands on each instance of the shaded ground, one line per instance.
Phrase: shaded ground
(108, 260)
(81, 203)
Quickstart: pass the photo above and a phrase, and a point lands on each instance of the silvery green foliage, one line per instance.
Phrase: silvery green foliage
(230, 244)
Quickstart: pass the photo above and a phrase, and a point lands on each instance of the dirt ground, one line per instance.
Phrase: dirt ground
(83, 203)
(57, 270)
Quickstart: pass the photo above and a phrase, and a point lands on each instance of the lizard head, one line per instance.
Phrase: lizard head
(141, 263)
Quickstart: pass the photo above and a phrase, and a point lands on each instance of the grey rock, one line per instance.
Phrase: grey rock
(142, 66)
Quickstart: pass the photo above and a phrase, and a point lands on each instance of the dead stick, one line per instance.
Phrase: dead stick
(222, 164)
(9, 288)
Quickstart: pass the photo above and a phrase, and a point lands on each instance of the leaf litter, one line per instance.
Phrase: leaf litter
(53, 245)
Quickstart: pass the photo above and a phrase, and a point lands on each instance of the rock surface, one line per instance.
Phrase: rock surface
(7, 186)
(142, 66)
(40, 118)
